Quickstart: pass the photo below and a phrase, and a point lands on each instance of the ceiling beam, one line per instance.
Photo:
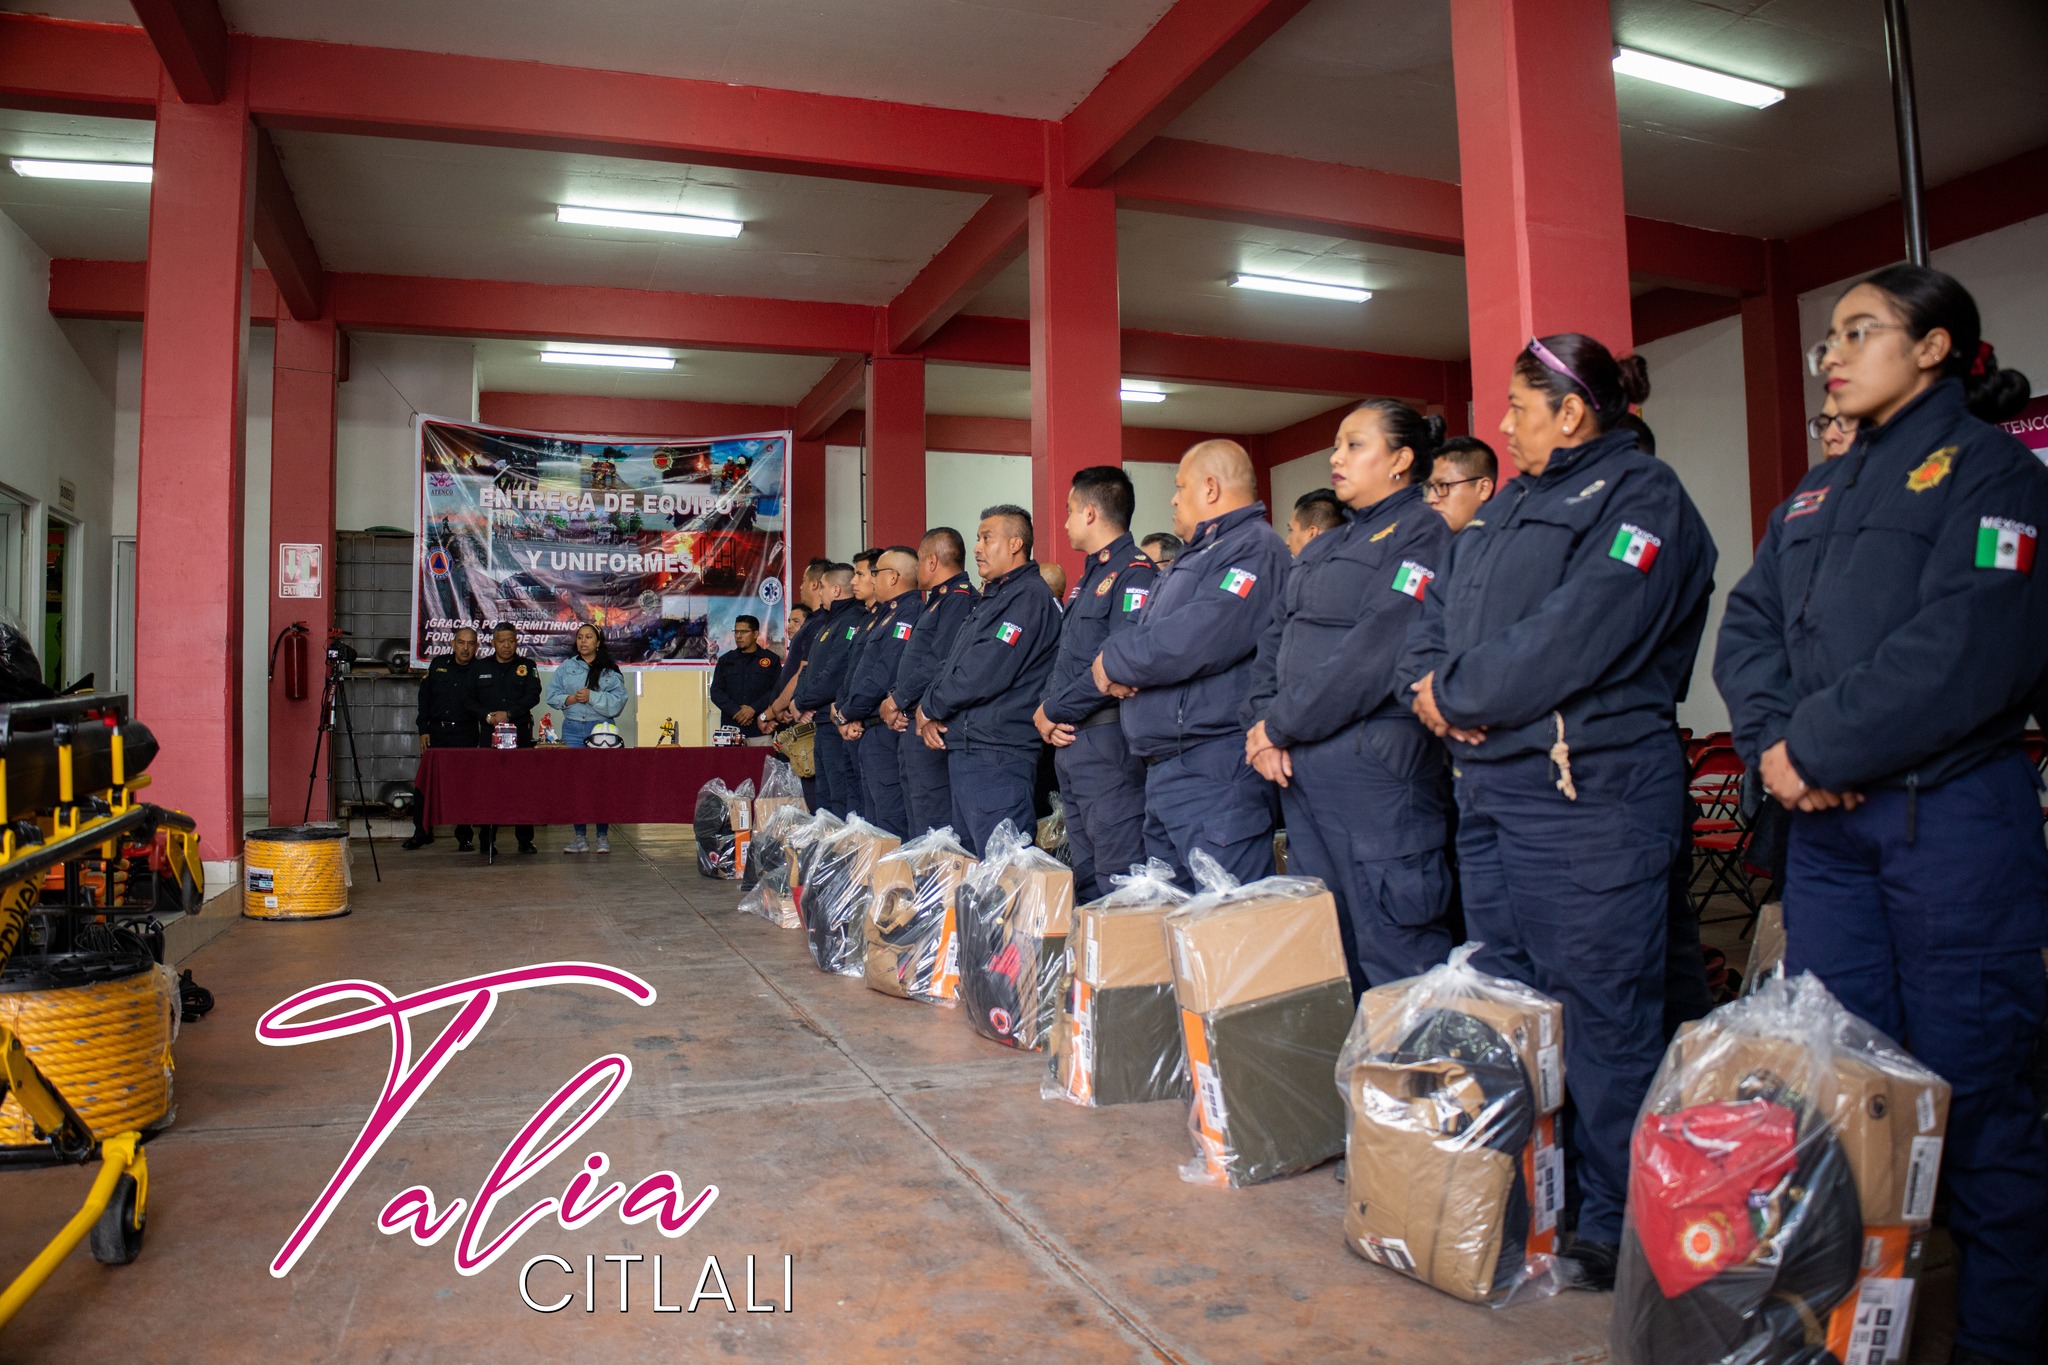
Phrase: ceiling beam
(1659, 313)
(281, 237)
(593, 415)
(60, 67)
(192, 39)
(992, 239)
(1224, 362)
(1195, 44)
(1307, 437)
(831, 398)
(1998, 196)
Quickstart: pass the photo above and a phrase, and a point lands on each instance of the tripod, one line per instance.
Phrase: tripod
(333, 701)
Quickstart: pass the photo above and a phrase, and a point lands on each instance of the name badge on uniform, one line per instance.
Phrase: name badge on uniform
(2003, 544)
(1238, 583)
(1635, 547)
(1008, 633)
(903, 630)
(1412, 579)
(1807, 503)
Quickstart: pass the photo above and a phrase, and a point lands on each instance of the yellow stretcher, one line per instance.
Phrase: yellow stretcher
(67, 779)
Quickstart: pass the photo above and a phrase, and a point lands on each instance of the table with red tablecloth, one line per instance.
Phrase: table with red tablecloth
(561, 786)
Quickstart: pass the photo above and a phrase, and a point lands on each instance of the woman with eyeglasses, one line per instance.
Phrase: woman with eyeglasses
(1877, 660)
(1552, 661)
(1363, 786)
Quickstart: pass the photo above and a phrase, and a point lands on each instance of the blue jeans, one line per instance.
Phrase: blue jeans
(575, 734)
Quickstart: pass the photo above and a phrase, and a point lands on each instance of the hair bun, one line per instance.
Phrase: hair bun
(1436, 427)
(1996, 395)
(1635, 377)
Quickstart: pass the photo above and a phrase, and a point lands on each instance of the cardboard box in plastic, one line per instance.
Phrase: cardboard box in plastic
(1254, 945)
(893, 969)
(1118, 1041)
(1537, 1033)
(1042, 898)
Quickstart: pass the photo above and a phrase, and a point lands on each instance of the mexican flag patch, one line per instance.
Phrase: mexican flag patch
(1008, 633)
(1634, 547)
(1239, 582)
(1135, 598)
(2003, 544)
(903, 630)
(1412, 579)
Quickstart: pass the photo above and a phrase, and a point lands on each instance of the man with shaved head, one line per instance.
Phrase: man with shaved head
(868, 680)
(1183, 671)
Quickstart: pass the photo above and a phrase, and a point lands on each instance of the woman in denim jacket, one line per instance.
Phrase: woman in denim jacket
(589, 689)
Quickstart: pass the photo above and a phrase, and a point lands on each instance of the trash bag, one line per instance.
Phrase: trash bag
(1014, 913)
(1117, 1039)
(1453, 1174)
(21, 673)
(913, 941)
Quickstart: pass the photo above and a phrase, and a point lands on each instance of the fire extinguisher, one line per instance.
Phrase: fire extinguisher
(292, 640)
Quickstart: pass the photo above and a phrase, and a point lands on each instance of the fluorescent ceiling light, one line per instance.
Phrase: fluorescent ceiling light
(1699, 80)
(126, 172)
(1142, 396)
(648, 222)
(613, 362)
(1308, 289)
(606, 348)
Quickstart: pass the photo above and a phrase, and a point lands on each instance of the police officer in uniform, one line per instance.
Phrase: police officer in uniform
(817, 687)
(447, 719)
(1553, 660)
(948, 598)
(1102, 785)
(746, 678)
(1365, 789)
(782, 710)
(507, 687)
(1184, 669)
(979, 704)
(869, 677)
(1877, 661)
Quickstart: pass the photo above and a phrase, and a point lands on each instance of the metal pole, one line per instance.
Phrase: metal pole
(1898, 55)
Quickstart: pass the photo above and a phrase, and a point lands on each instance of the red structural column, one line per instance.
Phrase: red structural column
(301, 515)
(806, 517)
(1773, 391)
(1539, 151)
(1076, 416)
(188, 618)
(895, 435)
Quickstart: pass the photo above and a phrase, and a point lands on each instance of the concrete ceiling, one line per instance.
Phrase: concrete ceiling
(699, 376)
(70, 217)
(980, 391)
(1034, 58)
(1173, 274)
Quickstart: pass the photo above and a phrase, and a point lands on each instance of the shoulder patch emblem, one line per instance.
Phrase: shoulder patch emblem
(765, 662)
(1238, 583)
(903, 630)
(1931, 470)
(1807, 503)
(2003, 544)
(1105, 587)
(1412, 580)
(522, 670)
(1635, 547)
(1383, 533)
(1008, 633)
(1136, 598)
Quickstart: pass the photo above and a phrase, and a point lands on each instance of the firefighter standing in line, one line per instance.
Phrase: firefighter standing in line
(507, 688)
(817, 686)
(447, 719)
(868, 679)
(948, 599)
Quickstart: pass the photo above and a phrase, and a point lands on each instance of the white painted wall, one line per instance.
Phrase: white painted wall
(958, 486)
(1294, 478)
(1153, 484)
(846, 525)
(57, 386)
(260, 366)
(392, 379)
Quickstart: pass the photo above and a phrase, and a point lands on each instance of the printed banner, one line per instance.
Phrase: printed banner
(2031, 426)
(660, 544)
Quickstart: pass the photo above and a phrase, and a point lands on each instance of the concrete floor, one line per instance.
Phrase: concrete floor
(936, 1208)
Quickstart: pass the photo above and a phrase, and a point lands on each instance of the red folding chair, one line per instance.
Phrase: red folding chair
(1720, 836)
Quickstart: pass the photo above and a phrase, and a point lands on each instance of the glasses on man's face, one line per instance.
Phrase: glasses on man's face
(1436, 490)
(1845, 343)
(1817, 428)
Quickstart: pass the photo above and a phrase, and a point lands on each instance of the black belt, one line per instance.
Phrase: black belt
(1108, 715)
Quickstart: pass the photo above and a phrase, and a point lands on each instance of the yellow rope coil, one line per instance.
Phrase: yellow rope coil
(302, 877)
(106, 1047)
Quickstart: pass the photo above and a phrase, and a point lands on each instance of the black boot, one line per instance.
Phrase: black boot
(1590, 1264)
(420, 839)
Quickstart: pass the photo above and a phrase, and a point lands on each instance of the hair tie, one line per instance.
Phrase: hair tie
(1982, 364)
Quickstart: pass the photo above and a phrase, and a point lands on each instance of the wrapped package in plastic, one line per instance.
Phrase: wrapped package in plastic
(802, 845)
(1265, 1002)
(1117, 1039)
(913, 943)
(1453, 1174)
(837, 888)
(723, 819)
(768, 868)
(1015, 913)
(1780, 1177)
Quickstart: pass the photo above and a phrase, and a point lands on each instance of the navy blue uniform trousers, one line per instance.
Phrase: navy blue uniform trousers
(881, 777)
(839, 789)
(1102, 788)
(990, 786)
(1393, 899)
(1929, 924)
(927, 790)
(1207, 797)
(1570, 896)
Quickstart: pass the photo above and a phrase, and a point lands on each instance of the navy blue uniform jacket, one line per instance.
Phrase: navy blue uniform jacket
(819, 686)
(1328, 658)
(1114, 589)
(873, 671)
(744, 680)
(513, 688)
(992, 678)
(1583, 593)
(1880, 632)
(1191, 653)
(946, 608)
(800, 648)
